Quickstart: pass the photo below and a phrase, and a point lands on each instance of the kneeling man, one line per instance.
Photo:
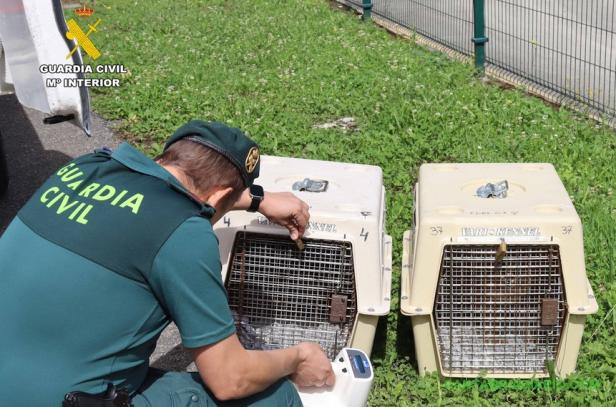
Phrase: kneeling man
(115, 246)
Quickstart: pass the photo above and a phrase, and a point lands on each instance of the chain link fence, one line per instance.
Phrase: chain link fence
(562, 50)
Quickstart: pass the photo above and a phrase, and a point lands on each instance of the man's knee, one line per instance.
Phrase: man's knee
(165, 389)
(186, 389)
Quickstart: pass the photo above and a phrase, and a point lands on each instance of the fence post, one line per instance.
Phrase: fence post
(367, 6)
(479, 39)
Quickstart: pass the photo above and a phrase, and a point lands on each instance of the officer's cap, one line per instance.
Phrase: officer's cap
(228, 141)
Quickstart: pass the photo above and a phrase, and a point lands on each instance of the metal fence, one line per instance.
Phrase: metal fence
(563, 50)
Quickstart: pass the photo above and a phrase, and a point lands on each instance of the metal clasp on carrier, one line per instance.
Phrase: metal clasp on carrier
(489, 190)
(311, 185)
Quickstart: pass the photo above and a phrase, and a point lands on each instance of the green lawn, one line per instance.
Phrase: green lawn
(277, 68)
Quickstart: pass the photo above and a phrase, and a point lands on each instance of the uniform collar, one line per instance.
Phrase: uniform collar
(132, 158)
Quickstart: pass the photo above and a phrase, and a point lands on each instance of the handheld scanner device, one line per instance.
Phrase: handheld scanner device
(354, 378)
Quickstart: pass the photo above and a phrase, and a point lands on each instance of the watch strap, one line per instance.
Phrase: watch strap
(257, 194)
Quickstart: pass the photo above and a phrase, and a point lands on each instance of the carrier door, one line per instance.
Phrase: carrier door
(32, 34)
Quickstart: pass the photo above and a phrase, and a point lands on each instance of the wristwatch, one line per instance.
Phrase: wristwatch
(257, 194)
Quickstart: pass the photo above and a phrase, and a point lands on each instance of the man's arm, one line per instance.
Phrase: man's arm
(282, 208)
(186, 279)
(231, 372)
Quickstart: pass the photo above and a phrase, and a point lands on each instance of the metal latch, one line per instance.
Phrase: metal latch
(338, 308)
(549, 311)
(311, 185)
(501, 252)
(489, 190)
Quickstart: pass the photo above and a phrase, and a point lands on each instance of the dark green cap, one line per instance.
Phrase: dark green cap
(228, 141)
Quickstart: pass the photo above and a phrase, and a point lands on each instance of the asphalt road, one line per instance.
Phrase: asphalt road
(34, 151)
(569, 45)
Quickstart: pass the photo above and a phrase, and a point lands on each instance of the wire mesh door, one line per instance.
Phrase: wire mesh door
(281, 296)
(499, 316)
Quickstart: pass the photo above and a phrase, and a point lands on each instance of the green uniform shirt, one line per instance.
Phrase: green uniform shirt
(104, 255)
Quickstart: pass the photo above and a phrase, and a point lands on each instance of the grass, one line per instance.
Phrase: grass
(277, 68)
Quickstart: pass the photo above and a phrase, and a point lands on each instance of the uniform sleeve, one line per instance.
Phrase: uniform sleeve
(186, 280)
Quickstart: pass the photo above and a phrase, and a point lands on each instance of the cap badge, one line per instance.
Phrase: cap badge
(252, 159)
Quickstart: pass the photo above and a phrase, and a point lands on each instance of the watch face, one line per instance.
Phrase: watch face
(256, 191)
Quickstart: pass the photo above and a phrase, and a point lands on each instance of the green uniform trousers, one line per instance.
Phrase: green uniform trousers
(182, 389)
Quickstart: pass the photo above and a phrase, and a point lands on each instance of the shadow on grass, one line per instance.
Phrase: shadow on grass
(405, 344)
(379, 348)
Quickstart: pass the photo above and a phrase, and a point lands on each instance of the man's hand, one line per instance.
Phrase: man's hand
(314, 368)
(232, 372)
(285, 209)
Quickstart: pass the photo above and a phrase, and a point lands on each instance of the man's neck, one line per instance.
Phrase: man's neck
(180, 176)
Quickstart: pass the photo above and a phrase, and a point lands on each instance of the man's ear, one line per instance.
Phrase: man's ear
(218, 198)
